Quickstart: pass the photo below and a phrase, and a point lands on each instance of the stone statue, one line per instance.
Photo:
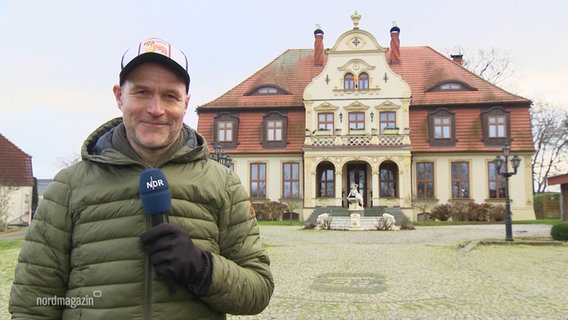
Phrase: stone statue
(355, 198)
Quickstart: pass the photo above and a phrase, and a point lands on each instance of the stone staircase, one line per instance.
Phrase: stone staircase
(341, 217)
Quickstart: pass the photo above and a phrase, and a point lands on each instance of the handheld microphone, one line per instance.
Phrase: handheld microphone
(155, 195)
(157, 201)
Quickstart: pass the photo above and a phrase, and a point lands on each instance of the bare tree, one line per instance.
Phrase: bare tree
(65, 162)
(292, 204)
(492, 65)
(550, 135)
(422, 204)
(550, 124)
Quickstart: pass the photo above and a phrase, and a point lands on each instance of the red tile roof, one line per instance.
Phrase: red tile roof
(15, 165)
(421, 67)
(468, 131)
(250, 132)
(292, 71)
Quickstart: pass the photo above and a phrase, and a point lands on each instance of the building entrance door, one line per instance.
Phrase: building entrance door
(357, 173)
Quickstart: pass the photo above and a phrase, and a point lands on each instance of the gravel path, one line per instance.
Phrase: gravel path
(429, 273)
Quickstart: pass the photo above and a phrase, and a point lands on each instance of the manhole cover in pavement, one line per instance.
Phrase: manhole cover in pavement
(363, 283)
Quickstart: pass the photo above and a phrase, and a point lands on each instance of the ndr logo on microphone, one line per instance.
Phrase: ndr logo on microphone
(153, 184)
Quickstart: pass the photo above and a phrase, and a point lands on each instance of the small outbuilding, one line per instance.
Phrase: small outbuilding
(16, 184)
(561, 180)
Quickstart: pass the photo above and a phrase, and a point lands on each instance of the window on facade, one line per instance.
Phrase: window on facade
(496, 126)
(226, 126)
(442, 127)
(497, 183)
(274, 130)
(258, 180)
(225, 131)
(291, 180)
(325, 121)
(425, 180)
(387, 119)
(460, 180)
(349, 82)
(274, 127)
(363, 81)
(326, 180)
(388, 173)
(356, 120)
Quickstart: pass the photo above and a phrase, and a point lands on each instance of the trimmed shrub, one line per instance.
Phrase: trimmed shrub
(270, 210)
(468, 211)
(559, 232)
(441, 212)
(460, 210)
(497, 213)
(479, 211)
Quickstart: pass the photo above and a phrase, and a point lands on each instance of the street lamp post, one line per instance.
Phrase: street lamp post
(219, 156)
(516, 161)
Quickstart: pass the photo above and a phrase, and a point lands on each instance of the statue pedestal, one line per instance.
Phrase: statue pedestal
(354, 205)
(355, 221)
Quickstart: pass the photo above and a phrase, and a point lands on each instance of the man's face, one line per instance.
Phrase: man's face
(153, 101)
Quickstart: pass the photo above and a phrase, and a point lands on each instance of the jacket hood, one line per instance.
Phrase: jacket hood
(99, 146)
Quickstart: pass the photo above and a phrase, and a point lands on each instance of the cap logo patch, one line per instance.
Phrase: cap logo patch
(156, 46)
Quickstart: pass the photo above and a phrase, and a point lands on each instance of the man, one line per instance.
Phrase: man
(92, 252)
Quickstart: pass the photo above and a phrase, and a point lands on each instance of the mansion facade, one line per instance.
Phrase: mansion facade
(400, 122)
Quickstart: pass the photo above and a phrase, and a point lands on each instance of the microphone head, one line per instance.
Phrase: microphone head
(155, 192)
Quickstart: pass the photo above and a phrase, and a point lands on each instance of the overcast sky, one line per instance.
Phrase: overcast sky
(60, 59)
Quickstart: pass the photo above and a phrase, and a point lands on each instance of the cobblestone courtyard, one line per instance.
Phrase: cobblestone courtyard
(429, 273)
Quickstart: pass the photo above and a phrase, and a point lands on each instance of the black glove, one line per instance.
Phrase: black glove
(174, 255)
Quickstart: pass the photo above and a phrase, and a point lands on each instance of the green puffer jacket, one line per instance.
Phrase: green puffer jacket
(82, 258)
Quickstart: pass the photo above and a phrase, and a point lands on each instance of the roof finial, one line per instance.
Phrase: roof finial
(355, 17)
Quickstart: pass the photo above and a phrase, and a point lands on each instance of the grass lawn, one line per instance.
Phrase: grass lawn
(9, 250)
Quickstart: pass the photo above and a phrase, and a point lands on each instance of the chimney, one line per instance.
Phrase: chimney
(318, 47)
(395, 46)
(458, 58)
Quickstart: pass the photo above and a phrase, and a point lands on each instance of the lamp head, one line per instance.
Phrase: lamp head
(506, 150)
(516, 161)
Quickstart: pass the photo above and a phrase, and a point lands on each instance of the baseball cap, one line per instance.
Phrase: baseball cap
(155, 50)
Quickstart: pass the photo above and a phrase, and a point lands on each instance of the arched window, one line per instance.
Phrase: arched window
(388, 180)
(325, 180)
(349, 82)
(363, 81)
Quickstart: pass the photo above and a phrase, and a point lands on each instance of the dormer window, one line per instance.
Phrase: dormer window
(226, 128)
(275, 129)
(496, 126)
(267, 90)
(442, 128)
(452, 85)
